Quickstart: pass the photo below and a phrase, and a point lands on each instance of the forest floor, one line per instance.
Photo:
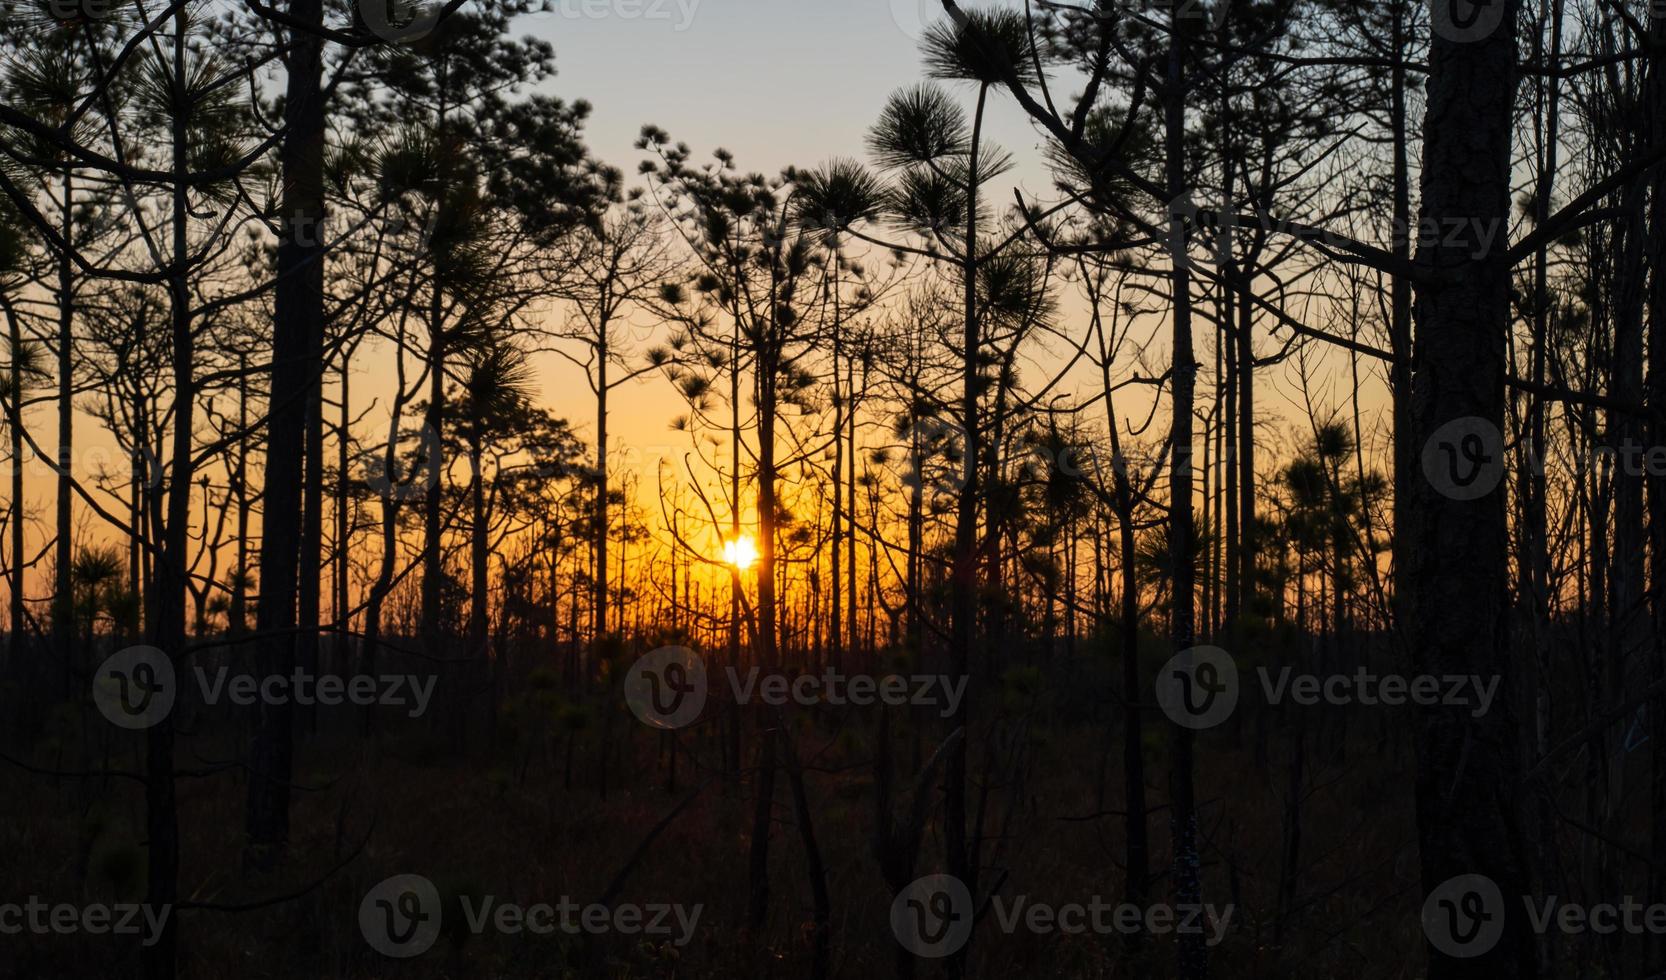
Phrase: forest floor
(523, 819)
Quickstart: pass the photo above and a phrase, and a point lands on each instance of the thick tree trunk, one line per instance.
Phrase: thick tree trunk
(1534, 560)
(1456, 550)
(1655, 131)
(298, 311)
(1400, 325)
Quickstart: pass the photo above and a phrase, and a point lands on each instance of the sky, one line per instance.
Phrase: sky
(777, 82)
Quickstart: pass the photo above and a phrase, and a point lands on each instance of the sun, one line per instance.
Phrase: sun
(741, 553)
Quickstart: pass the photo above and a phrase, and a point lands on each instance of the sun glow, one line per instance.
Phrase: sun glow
(740, 553)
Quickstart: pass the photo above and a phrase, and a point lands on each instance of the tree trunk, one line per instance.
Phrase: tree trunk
(310, 563)
(14, 422)
(1456, 550)
(770, 722)
(168, 622)
(63, 611)
(963, 571)
(602, 523)
(1655, 954)
(1188, 865)
(299, 306)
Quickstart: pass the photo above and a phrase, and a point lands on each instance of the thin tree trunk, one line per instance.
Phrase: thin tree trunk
(1193, 955)
(835, 620)
(14, 422)
(344, 533)
(963, 572)
(238, 608)
(602, 522)
(771, 734)
(63, 612)
(168, 629)
(310, 563)
(1137, 875)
